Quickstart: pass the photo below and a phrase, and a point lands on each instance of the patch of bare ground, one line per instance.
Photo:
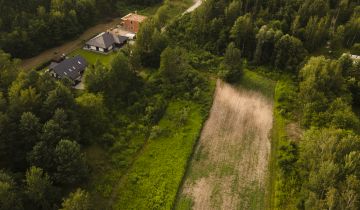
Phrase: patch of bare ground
(230, 165)
(294, 131)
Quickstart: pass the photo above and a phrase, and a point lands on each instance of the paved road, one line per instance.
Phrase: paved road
(194, 6)
(68, 46)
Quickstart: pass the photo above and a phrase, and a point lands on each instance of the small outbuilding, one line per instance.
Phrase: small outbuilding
(105, 42)
(71, 68)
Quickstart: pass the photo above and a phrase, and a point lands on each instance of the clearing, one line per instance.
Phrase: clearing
(229, 169)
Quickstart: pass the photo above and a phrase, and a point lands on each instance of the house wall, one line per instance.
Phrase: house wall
(132, 26)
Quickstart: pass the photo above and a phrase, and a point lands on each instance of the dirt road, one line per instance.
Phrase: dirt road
(230, 164)
(196, 4)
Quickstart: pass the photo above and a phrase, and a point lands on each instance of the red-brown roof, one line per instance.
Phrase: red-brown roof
(134, 17)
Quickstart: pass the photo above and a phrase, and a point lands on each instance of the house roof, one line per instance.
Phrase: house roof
(103, 40)
(70, 68)
(120, 39)
(134, 17)
(52, 65)
(106, 39)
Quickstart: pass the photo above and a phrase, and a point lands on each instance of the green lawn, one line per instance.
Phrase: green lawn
(154, 178)
(254, 81)
(92, 57)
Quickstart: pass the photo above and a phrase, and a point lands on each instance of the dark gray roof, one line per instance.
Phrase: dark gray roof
(103, 40)
(52, 65)
(70, 68)
(106, 39)
(120, 39)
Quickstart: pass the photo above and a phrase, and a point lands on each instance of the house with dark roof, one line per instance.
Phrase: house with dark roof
(71, 68)
(105, 42)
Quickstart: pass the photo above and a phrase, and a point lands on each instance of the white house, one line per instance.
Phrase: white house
(105, 42)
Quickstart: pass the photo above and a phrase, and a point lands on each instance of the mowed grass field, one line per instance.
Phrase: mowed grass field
(155, 176)
(230, 166)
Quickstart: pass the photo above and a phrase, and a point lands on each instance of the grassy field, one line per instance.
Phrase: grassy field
(229, 169)
(156, 174)
(92, 57)
(254, 81)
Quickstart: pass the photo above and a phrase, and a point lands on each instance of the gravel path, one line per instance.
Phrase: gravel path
(194, 6)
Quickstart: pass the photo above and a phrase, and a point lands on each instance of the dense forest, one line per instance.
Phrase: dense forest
(45, 124)
(28, 27)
